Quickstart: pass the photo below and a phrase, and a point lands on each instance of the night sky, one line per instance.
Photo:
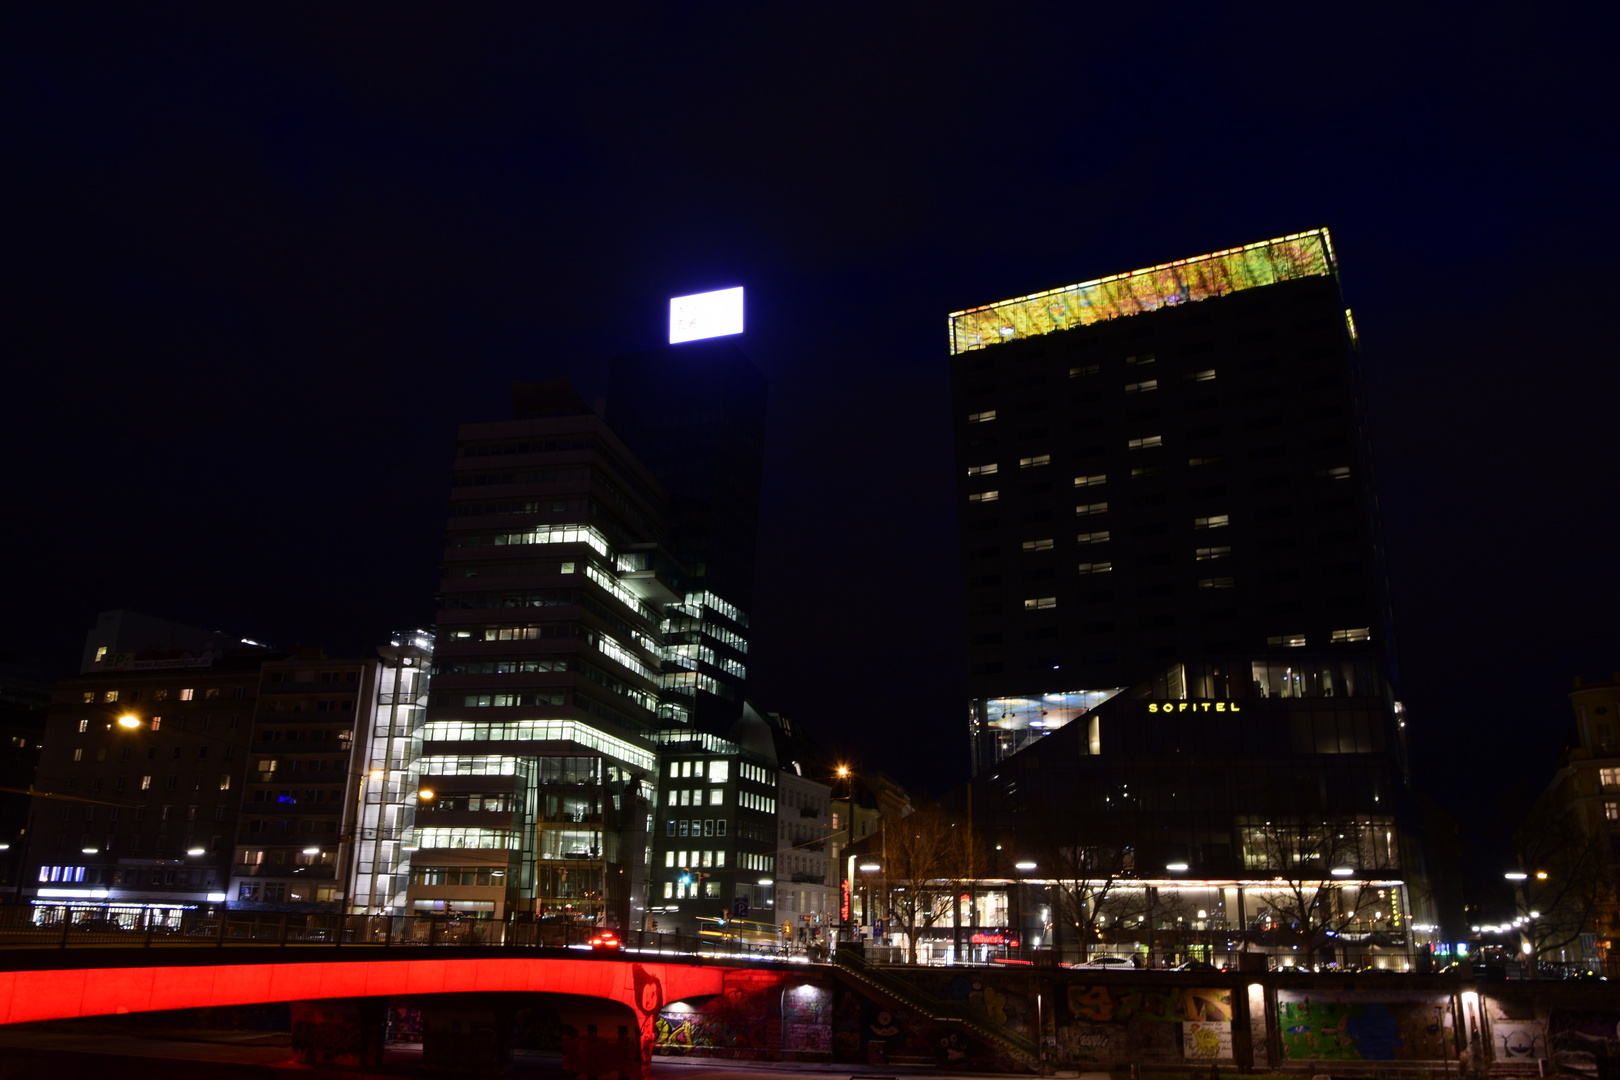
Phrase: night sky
(260, 265)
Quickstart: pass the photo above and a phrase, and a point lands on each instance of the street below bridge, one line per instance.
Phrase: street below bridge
(120, 1047)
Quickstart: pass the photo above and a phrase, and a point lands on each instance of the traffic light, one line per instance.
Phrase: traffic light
(787, 928)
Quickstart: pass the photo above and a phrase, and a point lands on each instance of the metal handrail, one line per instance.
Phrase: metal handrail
(147, 928)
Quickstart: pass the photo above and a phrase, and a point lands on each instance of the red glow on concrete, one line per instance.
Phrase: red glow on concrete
(27, 996)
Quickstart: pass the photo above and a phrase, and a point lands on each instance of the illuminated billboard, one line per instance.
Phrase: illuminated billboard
(1306, 254)
(705, 315)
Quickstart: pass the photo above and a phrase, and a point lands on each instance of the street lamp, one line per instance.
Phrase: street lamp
(128, 721)
(1515, 875)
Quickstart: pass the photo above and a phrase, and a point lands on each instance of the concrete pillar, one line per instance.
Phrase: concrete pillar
(345, 1031)
(466, 1033)
(1242, 1034)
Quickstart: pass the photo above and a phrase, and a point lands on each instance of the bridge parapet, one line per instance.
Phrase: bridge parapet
(67, 927)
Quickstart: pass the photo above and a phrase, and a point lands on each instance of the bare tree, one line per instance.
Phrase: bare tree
(1087, 883)
(924, 855)
(1565, 886)
(1307, 900)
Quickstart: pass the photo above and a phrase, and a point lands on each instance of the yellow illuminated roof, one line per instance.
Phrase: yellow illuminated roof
(1298, 255)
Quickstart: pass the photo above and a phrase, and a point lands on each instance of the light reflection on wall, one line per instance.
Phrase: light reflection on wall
(1202, 277)
(1002, 726)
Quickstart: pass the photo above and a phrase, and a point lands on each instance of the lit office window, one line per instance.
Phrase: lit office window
(1147, 442)
(1083, 370)
(1034, 462)
(1091, 481)
(1214, 521)
(1287, 641)
(1091, 509)
(1207, 375)
(1215, 583)
(1206, 554)
(1361, 633)
(983, 470)
(1040, 603)
(982, 417)
(1142, 387)
(1096, 567)
(1037, 545)
(984, 496)
(1092, 538)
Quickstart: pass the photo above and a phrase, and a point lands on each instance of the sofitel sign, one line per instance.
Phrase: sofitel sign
(1193, 706)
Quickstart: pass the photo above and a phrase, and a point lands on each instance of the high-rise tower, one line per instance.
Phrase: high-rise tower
(537, 746)
(695, 414)
(1178, 631)
(1166, 467)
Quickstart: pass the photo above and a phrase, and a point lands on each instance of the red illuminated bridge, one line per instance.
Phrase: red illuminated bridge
(53, 974)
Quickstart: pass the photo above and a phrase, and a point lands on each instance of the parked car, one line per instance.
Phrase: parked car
(1196, 965)
(1108, 963)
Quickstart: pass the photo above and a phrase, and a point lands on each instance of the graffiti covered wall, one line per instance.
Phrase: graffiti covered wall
(1363, 1025)
(1114, 1023)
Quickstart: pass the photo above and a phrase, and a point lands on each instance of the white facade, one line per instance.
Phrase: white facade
(806, 878)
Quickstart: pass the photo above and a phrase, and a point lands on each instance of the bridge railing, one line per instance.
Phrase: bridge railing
(67, 927)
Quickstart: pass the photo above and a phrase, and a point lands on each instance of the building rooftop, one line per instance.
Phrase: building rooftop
(1298, 255)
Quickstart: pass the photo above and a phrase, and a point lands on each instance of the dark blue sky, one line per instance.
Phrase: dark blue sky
(261, 264)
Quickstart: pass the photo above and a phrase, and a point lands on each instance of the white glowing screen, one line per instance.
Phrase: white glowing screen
(705, 315)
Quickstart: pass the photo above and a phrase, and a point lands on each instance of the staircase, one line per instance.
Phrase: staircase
(889, 987)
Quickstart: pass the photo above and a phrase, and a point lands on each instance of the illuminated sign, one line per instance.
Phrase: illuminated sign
(1298, 255)
(843, 901)
(1194, 706)
(705, 315)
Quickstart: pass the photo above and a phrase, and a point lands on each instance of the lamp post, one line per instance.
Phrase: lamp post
(1021, 916)
(867, 870)
(845, 909)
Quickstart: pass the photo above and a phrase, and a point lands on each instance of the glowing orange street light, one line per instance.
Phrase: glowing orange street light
(425, 794)
(129, 721)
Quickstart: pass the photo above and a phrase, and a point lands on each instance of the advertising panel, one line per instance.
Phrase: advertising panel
(705, 315)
